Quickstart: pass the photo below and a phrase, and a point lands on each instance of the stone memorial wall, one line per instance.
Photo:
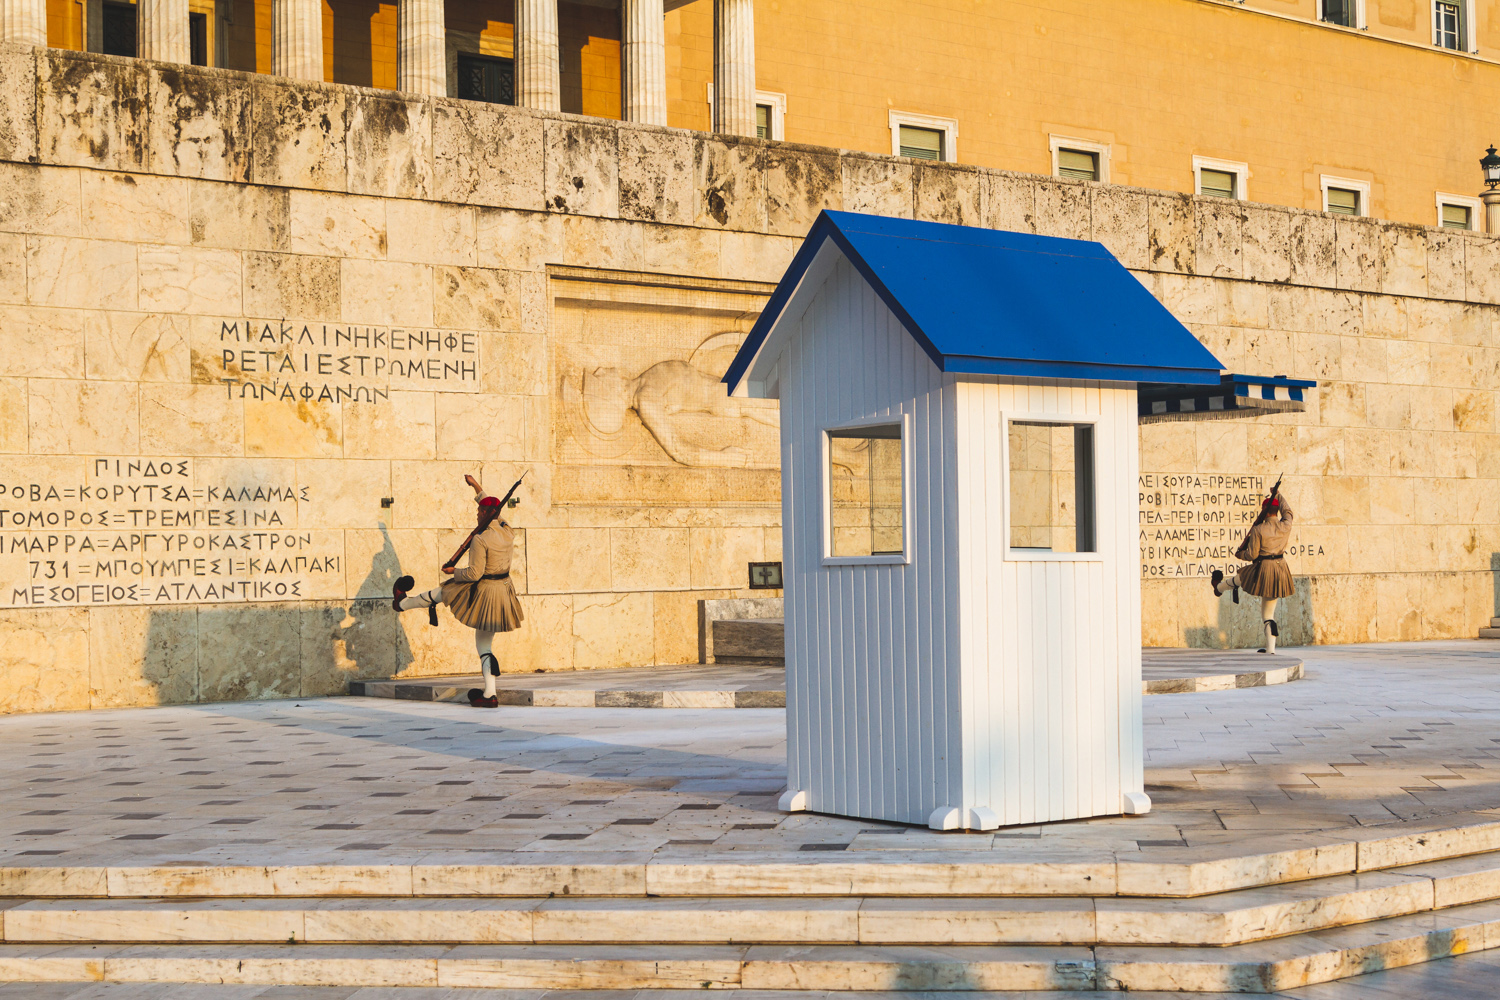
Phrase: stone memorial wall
(253, 333)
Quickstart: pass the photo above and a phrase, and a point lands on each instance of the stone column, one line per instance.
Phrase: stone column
(161, 31)
(537, 58)
(734, 66)
(297, 39)
(1491, 201)
(23, 21)
(643, 23)
(421, 55)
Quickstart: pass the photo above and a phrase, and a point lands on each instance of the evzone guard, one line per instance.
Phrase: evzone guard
(481, 594)
(1264, 550)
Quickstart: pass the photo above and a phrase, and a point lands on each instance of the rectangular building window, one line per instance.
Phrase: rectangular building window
(1078, 164)
(1458, 217)
(1051, 492)
(921, 143)
(1339, 12)
(763, 121)
(198, 39)
(1448, 29)
(1218, 183)
(119, 29)
(865, 492)
(1343, 201)
(486, 78)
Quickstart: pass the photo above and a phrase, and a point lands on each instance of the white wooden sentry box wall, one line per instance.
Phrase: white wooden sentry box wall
(960, 684)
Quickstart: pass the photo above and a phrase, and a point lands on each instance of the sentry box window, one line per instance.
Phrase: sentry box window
(765, 576)
(1051, 487)
(865, 493)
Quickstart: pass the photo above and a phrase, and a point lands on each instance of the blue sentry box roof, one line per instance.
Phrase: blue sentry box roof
(982, 301)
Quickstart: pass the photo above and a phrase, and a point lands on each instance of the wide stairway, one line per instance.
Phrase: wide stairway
(1328, 908)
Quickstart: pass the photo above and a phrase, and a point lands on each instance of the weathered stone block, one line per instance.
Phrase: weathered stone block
(1445, 264)
(41, 656)
(427, 232)
(403, 426)
(515, 364)
(276, 428)
(135, 207)
(1403, 259)
(518, 241)
(582, 169)
(91, 111)
(142, 656)
(12, 268)
(348, 493)
(682, 249)
(191, 420)
(878, 185)
(1482, 269)
(676, 626)
(752, 257)
(484, 154)
(1266, 244)
(244, 651)
(721, 556)
(283, 284)
(18, 103)
(1173, 238)
(1358, 244)
(1219, 227)
(613, 629)
(386, 292)
(390, 145)
(298, 131)
(1010, 201)
(239, 217)
(649, 559)
(43, 343)
(801, 181)
(656, 175)
(39, 200)
(1120, 220)
(730, 174)
(189, 280)
(83, 418)
(477, 298)
(949, 193)
(589, 242)
(200, 122)
(1314, 250)
(336, 225)
(14, 434)
(567, 560)
(482, 428)
(80, 273)
(1062, 209)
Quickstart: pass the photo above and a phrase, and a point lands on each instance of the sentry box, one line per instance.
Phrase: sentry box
(959, 498)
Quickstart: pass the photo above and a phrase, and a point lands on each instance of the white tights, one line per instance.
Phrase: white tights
(483, 639)
(1267, 607)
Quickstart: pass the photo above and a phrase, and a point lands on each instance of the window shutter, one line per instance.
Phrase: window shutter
(1457, 217)
(1077, 165)
(763, 121)
(1218, 183)
(1342, 201)
(921, 143)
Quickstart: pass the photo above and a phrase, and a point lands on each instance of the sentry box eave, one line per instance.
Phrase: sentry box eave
(959, 454)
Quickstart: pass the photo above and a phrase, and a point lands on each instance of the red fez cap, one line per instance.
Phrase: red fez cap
(489, 502)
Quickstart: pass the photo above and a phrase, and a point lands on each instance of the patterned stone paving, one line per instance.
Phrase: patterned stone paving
(1377, 735)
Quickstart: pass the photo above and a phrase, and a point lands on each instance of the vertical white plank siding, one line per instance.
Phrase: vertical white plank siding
(959, 678)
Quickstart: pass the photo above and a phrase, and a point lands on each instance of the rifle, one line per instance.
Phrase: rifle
(470, 540)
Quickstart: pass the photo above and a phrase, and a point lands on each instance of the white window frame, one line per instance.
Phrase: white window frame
(947, 126)
(1360, 24)
(825, 467)
(1474, 205)
(1060, 142)
(1046, 555)
(1326, 181)
(777, 102)
(1241, 173)
(1469, 43)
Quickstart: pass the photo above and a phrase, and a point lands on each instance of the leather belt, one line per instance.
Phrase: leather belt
(506, 576)
(1257, 558)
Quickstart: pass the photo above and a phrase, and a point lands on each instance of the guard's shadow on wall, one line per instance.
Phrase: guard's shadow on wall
(267, 650)
(1239, 625)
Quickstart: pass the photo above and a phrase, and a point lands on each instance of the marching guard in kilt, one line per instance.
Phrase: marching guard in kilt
(481, 594)
(1267, 575)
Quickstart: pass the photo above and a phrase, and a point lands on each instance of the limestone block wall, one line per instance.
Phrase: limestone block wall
(256, 330)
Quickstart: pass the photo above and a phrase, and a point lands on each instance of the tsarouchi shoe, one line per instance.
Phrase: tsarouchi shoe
(402, 587)
(478, 700)
(1216, 579)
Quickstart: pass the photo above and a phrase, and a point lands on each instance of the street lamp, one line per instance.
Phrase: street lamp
(1491, 167)
(1491, 197)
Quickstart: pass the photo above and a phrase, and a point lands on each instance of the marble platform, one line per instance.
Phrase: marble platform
(1164, 671)
(1299, 835)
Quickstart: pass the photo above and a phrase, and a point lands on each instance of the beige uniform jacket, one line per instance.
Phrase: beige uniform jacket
(481, 594)
(1267, 575)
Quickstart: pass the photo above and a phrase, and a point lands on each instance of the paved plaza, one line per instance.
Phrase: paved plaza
(1377, 735)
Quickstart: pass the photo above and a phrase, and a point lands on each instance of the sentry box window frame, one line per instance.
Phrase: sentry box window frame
(903, 425)
(767, 566)
(1047, 555)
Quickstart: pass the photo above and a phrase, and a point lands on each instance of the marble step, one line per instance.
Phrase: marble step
(1167, 873)
(1262, 967)
(1221, 919)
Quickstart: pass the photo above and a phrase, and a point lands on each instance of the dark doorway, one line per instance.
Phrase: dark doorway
(486, 78)
(119, 29)
(198, 39)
